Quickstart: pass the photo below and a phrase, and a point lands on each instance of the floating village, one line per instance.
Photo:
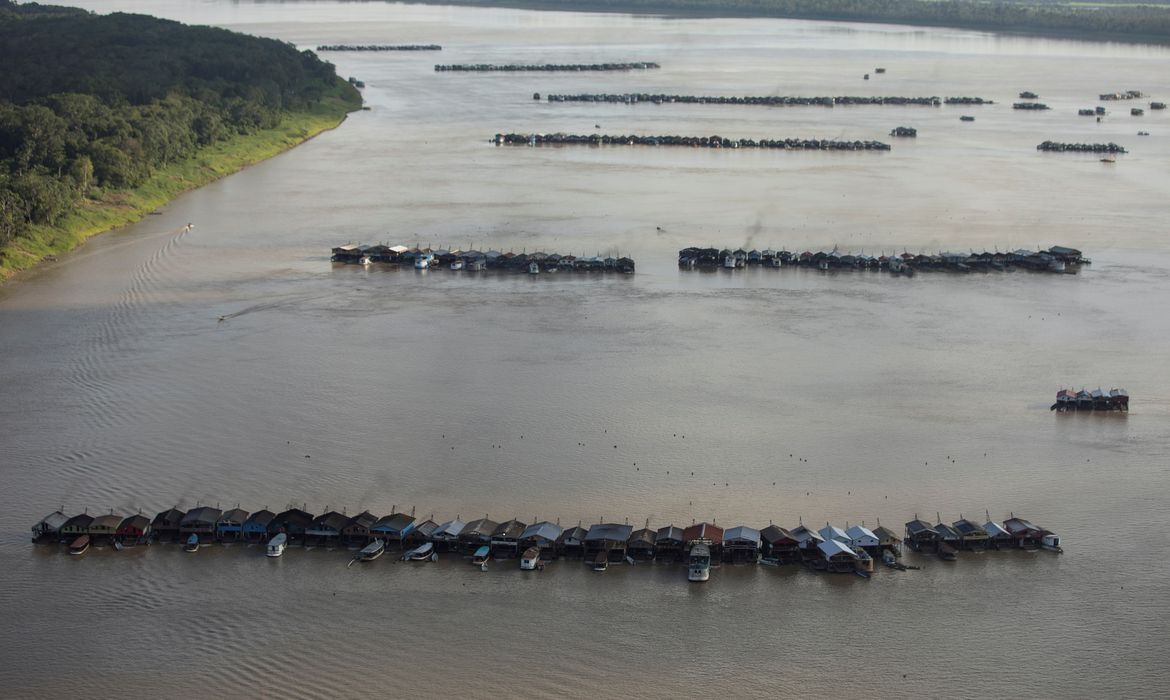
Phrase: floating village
(853, 549)
(544, 67)
(478, 261)
(1095, 400)
(766, 100)
(380, 47)
(783, 144)
(1057, 259)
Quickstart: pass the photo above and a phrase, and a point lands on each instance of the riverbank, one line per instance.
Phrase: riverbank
(110, 209)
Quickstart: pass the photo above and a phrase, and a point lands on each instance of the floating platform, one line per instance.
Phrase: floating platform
(763, 100)
(478, 261)
(785, 144)
(1056, 259)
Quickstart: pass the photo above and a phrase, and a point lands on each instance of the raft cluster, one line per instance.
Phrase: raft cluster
(907, 131)
(1081, 147)
(380, 47)
(544, 67)
(691, 141)
(1030, 105)
(766, 100)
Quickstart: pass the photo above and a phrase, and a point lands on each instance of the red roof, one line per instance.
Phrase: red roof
(703, 531)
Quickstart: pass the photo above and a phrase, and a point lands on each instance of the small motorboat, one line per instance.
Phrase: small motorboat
(530, 559)
(533, 268)
(277, 544)
(79, 545)
(1110, 159)
(457, 265)
(422, 552)
(372, 551)
(192, 544)
(1051, 543)
(601, 561)
(481, 557)
(946, 552)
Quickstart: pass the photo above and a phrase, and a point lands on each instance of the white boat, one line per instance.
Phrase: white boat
(601, 561)
(423, 260)
(729, 262)
(372, 550)
(530, 559)
(699, 563)
(533, 268)
(419, 553)
(457, 265)
(277, 544)
(1051, 542)
(192, 543)
(364, 260)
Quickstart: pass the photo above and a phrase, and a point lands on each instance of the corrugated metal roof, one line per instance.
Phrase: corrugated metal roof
(858, 533)
(448, 530)
(703, 531)
(363, 519)
(426, 528)
(833, 547)
(612, 532)
(670, 533)
(572, 535)
(544, 529)
(966, 527)
(202, 514)
(394, 523)
(993, 529)
(234, 516)
(479, 528)
(645, 536)
(135, 522)
(330, 521)
(804, 534)
(106, 522)
(170, 516)
(53, 521)
(510, 530)
(885, 534)
(260, 518)
(774, 533)
(917, 526)
(832, 532)
(742, 534)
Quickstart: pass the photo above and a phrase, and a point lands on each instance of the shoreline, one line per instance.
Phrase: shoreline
(667, 10)
(117, 208)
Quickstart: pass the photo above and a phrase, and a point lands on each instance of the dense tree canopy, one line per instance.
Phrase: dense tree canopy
(101, 101)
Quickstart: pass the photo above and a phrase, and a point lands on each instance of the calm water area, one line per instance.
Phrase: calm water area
(669, 396)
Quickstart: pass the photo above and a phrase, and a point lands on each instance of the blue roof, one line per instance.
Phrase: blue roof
(483, 551)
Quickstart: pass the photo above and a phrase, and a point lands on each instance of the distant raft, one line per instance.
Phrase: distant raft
(1096, 400)
(764, 100)
(544, 67)
(785, 144)
(380, 47)
(1057, 147)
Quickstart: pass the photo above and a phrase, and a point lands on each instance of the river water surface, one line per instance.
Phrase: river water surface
(668, 396)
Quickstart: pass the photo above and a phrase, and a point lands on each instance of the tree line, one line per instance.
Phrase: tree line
(90, 103)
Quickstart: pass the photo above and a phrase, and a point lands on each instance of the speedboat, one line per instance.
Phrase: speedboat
(277, 544)
(699, 564)
(530, 559)
(192, 543)
(79, 545)
(419, 553)
(372, 550)
(601, 561)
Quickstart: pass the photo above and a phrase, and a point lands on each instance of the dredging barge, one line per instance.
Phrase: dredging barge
(478, 261)
(1068, 400)
(852, 549)
(1058, 259)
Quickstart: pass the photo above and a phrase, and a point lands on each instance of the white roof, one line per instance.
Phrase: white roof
(832, 532)
(833, 547)
(399, 249)
(857, 532)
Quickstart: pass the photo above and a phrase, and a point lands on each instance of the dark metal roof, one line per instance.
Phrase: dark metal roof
(200, 515)
(169, 517)
(645, 536)
(509, 530)
(106, 522)
(670, 533)
(330, 521)
(774, 533)
(79, 520)
(572, 533)
(261, 518)
(543, 529)
(294, 516)
(703, 531)
(136, 522)
(235, 516)
(425, 528)
(608, 532)
(362, 520)
(478, 529)
(966, 527)
(917, 526)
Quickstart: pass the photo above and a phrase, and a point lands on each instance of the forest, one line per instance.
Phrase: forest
(91, 104)
(1107, 19)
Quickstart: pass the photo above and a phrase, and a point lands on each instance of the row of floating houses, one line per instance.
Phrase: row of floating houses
(785, 144)
(544, 67)
(1095, 400)
(1055, 259)
(829, 548)
(475, 260)
(380, 47)
(766, 100)
(1057, 147)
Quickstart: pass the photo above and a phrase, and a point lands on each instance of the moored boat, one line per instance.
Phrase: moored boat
(601, 561)
(422, 552)
(482, 556)
(864, 561)
(1051, 542)
(372, 550)
(192, 544)
(530, 559)
(699, 563)
(457, 265)
(79, 545)
(276, 545)
(946, 552)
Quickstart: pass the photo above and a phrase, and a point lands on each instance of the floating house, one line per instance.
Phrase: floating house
(610, 538)
(1024, 533)
(832, 532)
(571, 542)
(997, 536)
(76, 526)
(861, 537)
(505, 540)
(888, 539)
(971, 535)
(640, 545)
(357, 531)
(49, 527)
(708, 534)
(837, 556)
(134, 530)
(445, 536)
(292, 522)
(104, 528)
(165, 526)
(255, 528)
(921, 536)
(807, 539)
(741, 545)
(779, 545)
(230, 526)
(394, 528)
(670, 543)
(948, 535)
(476, 534)
(325, 531)
(200, 521)
(420, 533)
(543, 536)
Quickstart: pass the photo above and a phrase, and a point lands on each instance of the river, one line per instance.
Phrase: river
(667, 396)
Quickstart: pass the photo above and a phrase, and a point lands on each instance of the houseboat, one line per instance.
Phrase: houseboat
(49, 528)
(699, 563)
(530, 559)
(192, 543)
(79, 545)
(277, 544)
(372, 550)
